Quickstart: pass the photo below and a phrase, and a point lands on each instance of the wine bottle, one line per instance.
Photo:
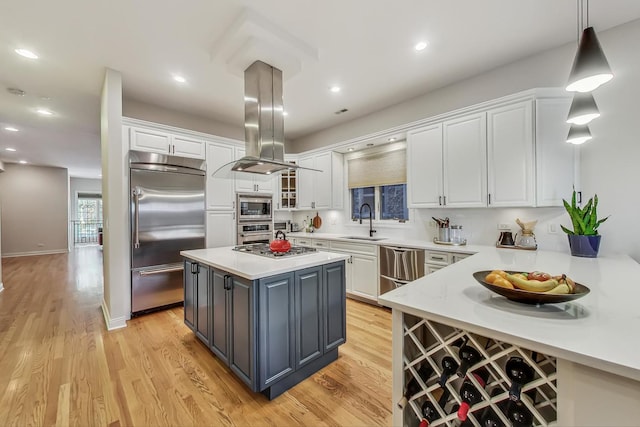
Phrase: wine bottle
(429, 413)
(520, 373)
(469, 394)
(449, 367)
(468, 356)
(519, 415)
(413, 387)
(489, 417)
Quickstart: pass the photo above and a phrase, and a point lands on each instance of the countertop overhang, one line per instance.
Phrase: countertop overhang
(599, 330)
(252, 267)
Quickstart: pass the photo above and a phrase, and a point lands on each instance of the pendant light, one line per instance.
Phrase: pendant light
(590, 66)
(579, 134)
(583, 109)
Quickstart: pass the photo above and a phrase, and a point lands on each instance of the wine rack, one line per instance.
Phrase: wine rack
(427, 341)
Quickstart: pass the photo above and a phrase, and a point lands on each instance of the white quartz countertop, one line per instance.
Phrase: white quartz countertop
(600, 329)
(390, 241)
(251, 266)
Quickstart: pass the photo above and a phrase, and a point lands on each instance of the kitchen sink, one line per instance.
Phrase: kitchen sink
(371, 239)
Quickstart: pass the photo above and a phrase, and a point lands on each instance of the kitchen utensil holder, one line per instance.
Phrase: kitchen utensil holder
(443, 234)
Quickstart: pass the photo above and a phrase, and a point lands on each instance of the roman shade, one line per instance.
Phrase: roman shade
(383, 168)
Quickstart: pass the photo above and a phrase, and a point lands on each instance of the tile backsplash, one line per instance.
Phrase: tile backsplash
(480, 226)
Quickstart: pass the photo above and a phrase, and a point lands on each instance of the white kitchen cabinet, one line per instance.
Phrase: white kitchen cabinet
(510, 155)
(436, 260)
(364, 276)
(220, 193)
(321, 190)
(424, 167)
(465, 161)
(251, 182)
(447, 163)
(221, 228)
(156, 141)
(555, 158)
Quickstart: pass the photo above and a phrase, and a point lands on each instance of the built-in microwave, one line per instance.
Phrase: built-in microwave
(254, 207)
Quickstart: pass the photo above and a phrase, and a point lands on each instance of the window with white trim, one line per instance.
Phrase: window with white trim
(379, 179)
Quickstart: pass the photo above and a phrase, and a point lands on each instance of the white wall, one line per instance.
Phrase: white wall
(116, 305)
(608, 162)
(35, 209)
(153, 113)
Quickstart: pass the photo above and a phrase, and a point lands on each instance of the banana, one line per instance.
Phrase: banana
(562, 288)
(532, 285)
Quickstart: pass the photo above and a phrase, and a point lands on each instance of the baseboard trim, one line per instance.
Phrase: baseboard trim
(112, 323)
(32, 253)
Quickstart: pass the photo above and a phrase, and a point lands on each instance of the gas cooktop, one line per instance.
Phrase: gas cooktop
(262, 249)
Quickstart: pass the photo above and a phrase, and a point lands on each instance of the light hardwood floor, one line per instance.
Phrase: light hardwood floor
(59, 365)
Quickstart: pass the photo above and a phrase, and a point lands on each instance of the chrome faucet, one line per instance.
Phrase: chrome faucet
(371, 230)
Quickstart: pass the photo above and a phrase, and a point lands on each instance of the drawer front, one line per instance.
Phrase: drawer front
(304, 242)
(437, 257)
(458, 257)
(323, 244)
(432, 268)
(360, 248)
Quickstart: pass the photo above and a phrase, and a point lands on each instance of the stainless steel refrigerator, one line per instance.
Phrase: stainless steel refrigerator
(167, 216)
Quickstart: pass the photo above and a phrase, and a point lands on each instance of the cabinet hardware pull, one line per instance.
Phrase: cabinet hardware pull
(440, 200)
(489, 198)
(579, 196)
(444, 198)
(136, 216)
(438, 258)
(161, 271)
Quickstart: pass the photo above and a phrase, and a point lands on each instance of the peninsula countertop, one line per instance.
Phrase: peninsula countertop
(598, 330)
(251, 266)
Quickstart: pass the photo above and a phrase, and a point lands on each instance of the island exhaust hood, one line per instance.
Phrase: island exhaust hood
(263, 124)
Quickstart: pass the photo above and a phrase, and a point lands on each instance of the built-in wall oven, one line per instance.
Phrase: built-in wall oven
(399, 266)
(254, 218)
(254, 232)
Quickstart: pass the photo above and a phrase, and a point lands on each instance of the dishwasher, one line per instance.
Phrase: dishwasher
(399, 266)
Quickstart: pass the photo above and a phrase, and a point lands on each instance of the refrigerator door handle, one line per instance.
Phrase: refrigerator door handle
(136, 217)
(161, 271)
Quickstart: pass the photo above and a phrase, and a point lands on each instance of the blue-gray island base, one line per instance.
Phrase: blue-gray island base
(272, 332)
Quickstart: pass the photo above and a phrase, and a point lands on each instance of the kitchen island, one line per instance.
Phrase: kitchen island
(273, 321)
(584, 353)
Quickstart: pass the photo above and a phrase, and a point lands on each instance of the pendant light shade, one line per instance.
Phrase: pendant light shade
(579, 134)
(583, 109)
(590, 67)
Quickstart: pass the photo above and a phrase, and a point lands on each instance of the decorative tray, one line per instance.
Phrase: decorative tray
(463, 243)
(527, 297)
(524, 248)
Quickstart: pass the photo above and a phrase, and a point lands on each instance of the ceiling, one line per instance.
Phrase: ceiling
(364, 46)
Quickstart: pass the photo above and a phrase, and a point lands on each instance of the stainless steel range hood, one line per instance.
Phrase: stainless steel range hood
(263, 124)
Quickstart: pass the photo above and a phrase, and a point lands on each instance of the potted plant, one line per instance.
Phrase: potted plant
(584, 240)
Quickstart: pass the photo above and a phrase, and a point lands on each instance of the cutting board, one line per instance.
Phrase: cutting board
(316, 221)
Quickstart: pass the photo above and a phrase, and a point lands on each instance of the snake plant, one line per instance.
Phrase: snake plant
(585, 220)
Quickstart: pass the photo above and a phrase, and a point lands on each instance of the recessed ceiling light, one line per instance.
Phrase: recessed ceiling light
(350, 149)
(44, 112)
(26, 53)
(420, 46)
(179, 79)
(10, 149)
(23, 162)
(391, 139)
(335, 89)
(11, 129)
